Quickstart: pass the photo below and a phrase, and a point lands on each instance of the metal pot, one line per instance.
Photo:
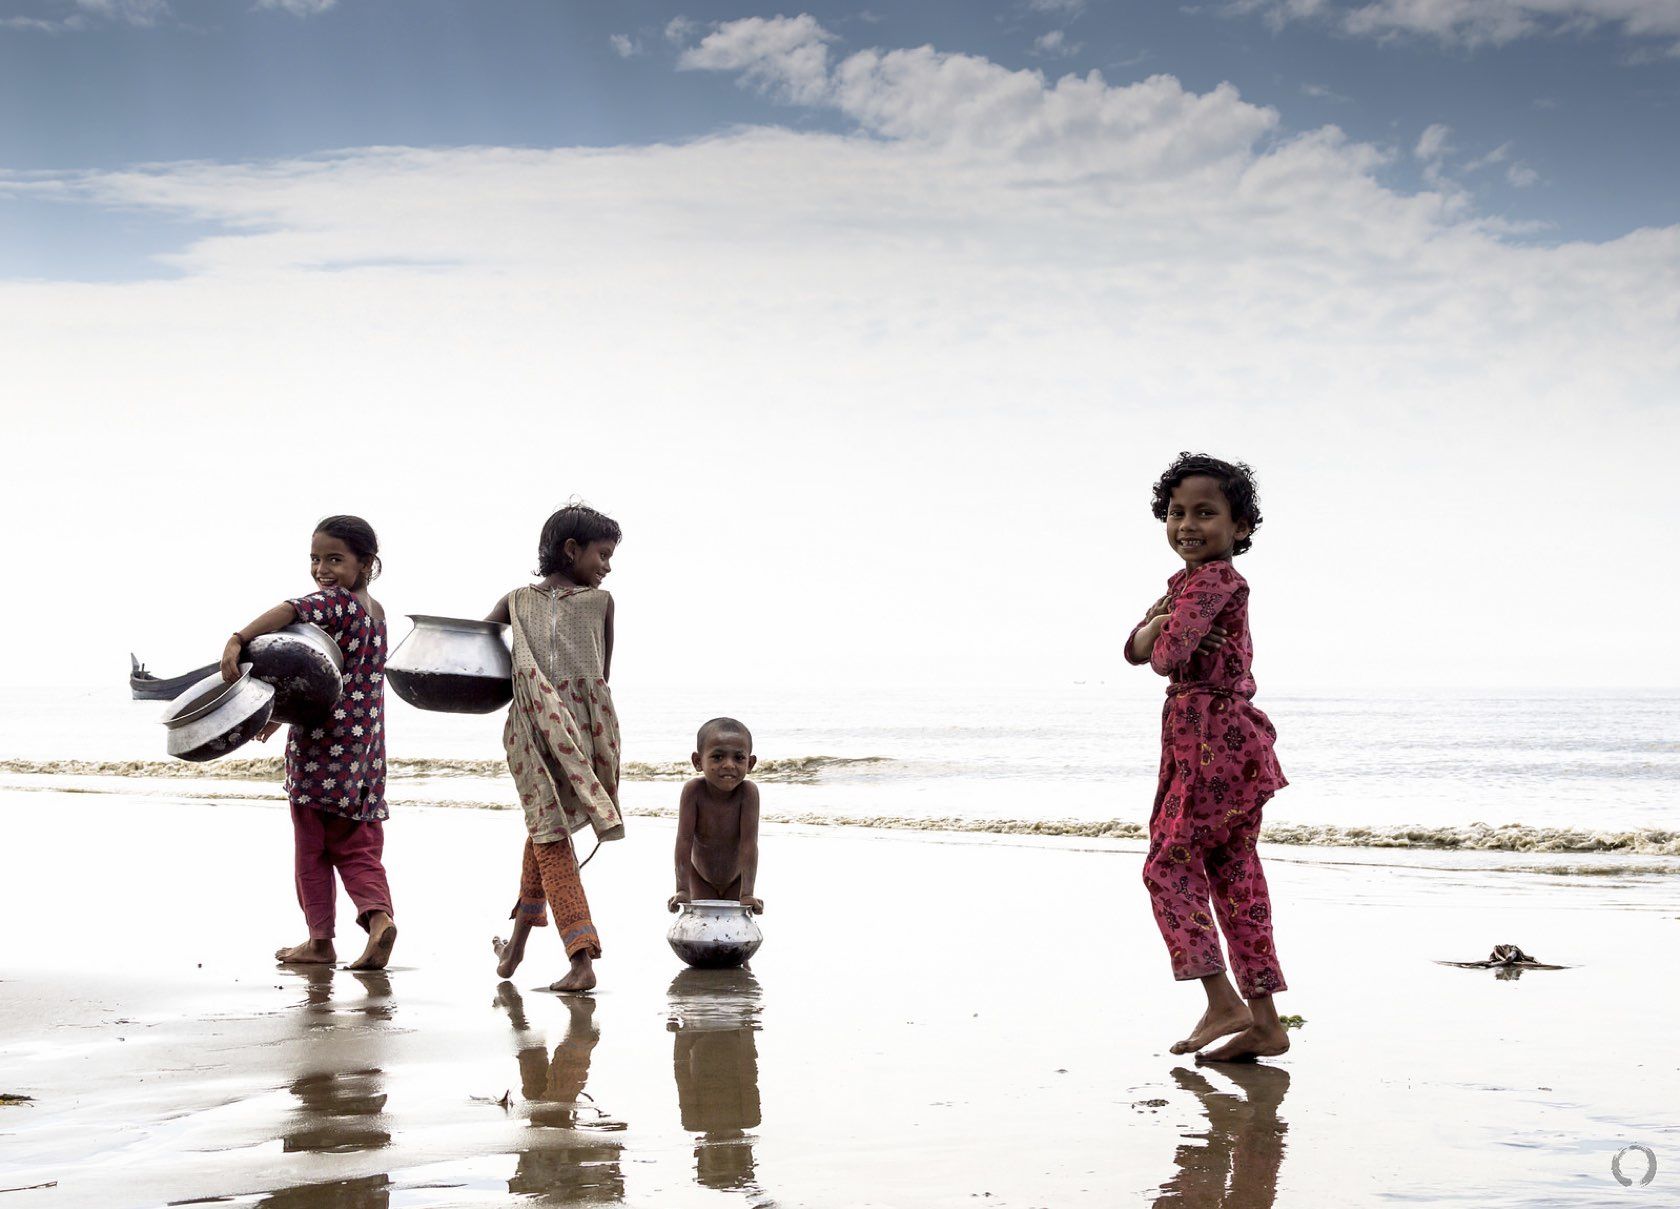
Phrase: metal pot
(305, 667)
(714, 933)
(453, 665)
(213, 717)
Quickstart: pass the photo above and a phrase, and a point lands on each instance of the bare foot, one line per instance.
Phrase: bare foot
(1257, 1041)
(309, 953)
(1214, 1025)
(582, 976)
(509, 953)
(382, 937)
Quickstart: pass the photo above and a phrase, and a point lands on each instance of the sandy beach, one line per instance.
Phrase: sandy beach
(934, 1019)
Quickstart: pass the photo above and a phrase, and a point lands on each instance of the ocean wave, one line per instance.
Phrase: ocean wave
(1476, 837)
(793, 770)
(1473, 837)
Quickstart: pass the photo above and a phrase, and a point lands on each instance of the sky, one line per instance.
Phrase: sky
(872, 325)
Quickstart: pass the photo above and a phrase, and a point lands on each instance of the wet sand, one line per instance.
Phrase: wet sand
(935, 1020)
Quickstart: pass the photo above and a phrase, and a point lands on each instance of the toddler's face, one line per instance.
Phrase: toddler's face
(332, 564)
(591, 563)
(724, 760)
(1200, 527)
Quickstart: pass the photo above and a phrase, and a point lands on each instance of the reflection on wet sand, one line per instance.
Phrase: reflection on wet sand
(715, 1015)
(566, 1166)
(338, 1111)
(1238, 1165)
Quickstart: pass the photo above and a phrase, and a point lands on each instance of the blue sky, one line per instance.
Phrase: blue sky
(1572, 129)
(871, 327)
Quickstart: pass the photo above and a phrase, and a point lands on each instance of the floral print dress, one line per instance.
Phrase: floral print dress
(1218, 769)
(561, 735)
(337, 764)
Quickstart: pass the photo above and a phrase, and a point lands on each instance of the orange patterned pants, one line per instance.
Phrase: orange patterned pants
(550, 880)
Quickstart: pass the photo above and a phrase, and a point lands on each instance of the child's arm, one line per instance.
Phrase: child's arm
(502, 614)
(747, 855)
(684, 856)
(1188, 628)
(606, 642)
(1142, 638)
(277, 618)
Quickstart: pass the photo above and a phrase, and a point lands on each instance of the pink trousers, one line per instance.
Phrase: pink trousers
(325, 842)
(1199, 851)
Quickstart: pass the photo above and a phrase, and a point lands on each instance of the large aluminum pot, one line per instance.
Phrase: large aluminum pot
(453, 665)
(714, 933)
(305, 667)
(213, 717)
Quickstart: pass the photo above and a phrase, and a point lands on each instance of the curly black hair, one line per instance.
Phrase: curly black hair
(1235, 479)
(575, 522)
(356, 533)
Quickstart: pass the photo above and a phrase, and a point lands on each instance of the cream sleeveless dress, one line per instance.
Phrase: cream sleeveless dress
(561, 735)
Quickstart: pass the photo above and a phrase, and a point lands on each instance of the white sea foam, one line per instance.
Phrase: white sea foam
(1533, 772)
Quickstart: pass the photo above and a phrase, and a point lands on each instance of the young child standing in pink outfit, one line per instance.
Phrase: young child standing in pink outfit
(335, 767)
(1217, 764)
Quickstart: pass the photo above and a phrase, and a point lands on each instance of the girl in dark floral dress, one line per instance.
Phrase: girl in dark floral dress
(335, 767)
(1217, 764)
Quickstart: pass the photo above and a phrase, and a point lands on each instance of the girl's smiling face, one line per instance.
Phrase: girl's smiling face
(1200, 527)
(591, 562)
(332, 564)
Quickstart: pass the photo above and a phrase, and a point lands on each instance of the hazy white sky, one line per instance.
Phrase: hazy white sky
(876, 398)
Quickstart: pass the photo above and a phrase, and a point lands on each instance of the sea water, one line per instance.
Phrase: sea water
(1560, 771)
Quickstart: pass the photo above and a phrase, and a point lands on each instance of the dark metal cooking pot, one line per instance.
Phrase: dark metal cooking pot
(453, 665)
(305, 667)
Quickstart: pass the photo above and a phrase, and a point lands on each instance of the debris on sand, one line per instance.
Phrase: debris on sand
(1503, 957)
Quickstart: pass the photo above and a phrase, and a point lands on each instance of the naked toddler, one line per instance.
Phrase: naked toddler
(717, 820)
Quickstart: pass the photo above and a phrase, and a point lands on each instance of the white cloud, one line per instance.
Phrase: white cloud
(1498, 155)
(1479, 22)
(299, 8)
(1432, 144)
(128, 12)
(625, 46)
(1077, 125)
(44, 25)
(973, 328)
(86, 14)
(1055, 45)
(1521, 176)
(1323, 92)
(1061, 8)
(681, 29)
(784, 56)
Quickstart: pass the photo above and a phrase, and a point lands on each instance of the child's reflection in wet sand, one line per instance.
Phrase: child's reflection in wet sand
(714, 1015)
(568, 1167)
(338, 1111)
(1238, 1166)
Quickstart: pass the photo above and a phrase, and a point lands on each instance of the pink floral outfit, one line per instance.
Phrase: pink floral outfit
(1217, 772)
(335, 772)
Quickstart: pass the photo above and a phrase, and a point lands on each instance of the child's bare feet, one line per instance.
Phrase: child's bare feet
(509, 953)
(1216, 1022)
(309, 953)
(382, 937)
(1256, 1041)
(582, 976)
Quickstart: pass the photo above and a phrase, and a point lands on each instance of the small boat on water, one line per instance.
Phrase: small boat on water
(143, 686)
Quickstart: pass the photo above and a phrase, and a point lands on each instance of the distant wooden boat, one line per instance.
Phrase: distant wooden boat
(144, 686)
